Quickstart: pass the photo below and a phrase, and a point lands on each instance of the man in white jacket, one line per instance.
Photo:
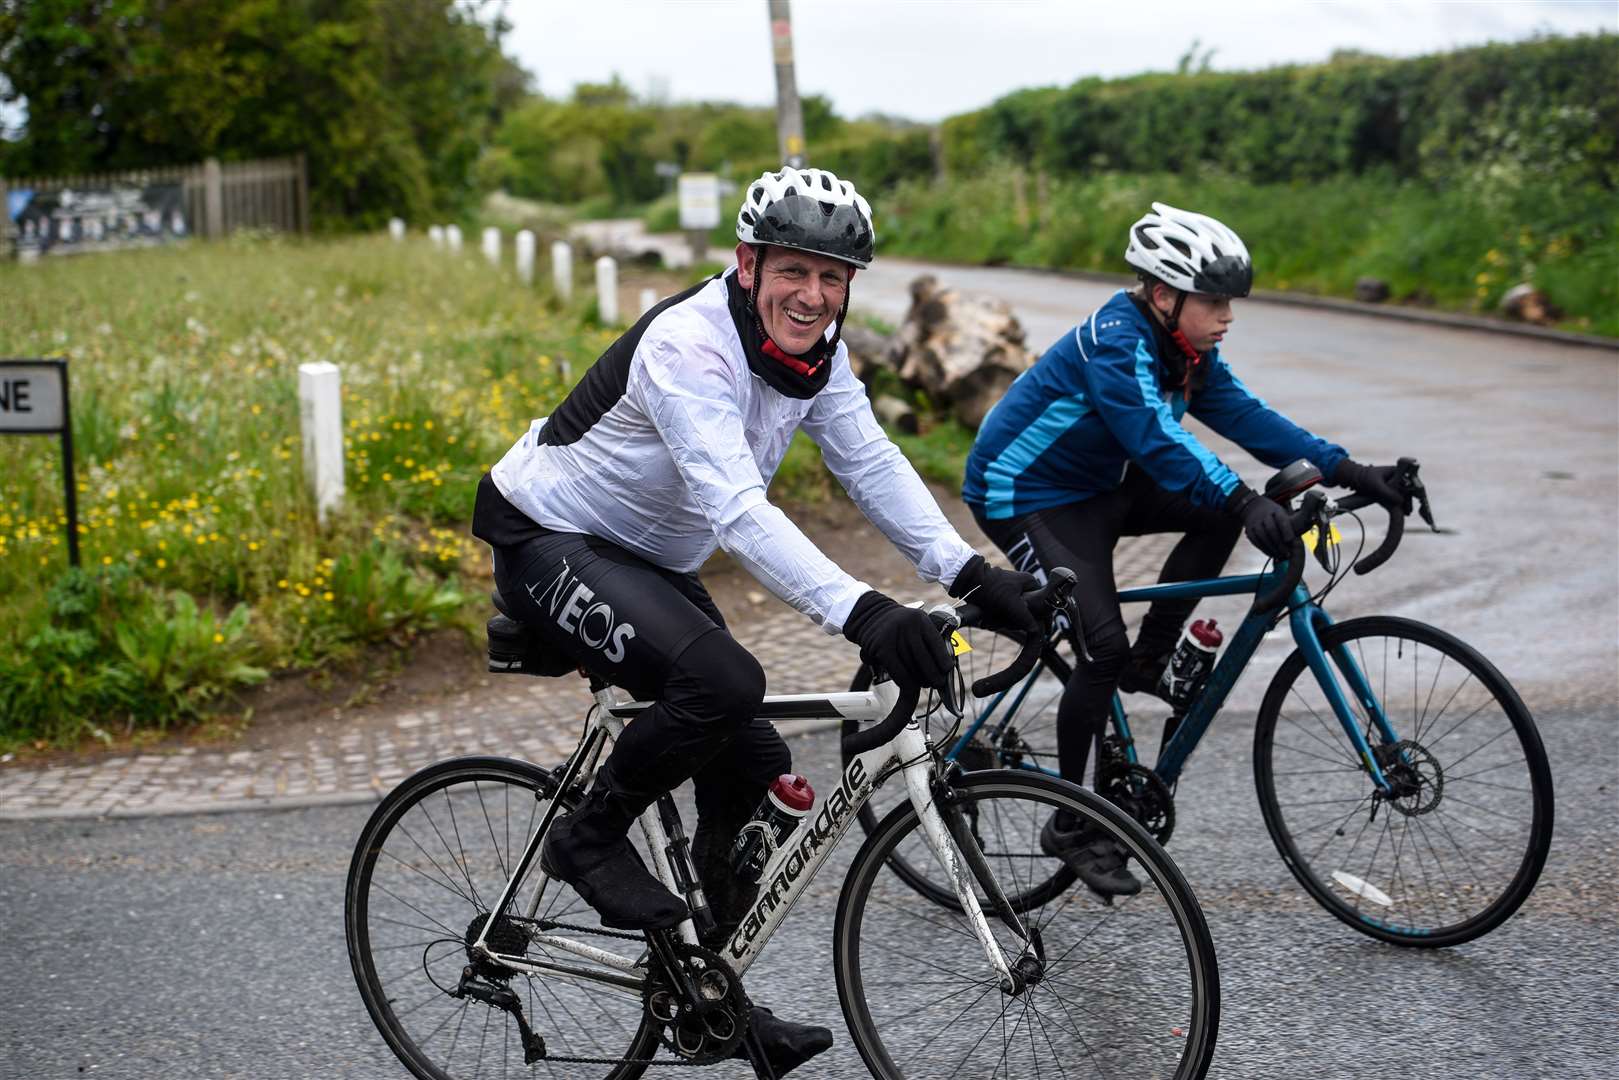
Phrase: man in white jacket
(602, 513)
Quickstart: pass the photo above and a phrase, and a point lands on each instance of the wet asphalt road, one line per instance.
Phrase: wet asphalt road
(212, 946)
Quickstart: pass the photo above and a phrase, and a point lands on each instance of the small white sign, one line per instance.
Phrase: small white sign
(699, 201)
(31, 397)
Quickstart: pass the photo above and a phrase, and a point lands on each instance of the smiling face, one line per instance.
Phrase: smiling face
(799, 295)
(1204, 319)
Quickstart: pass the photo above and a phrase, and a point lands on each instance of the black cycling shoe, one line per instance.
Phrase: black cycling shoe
(1142, 676)
(786, 1045)
(1095, 859)
(596, 858)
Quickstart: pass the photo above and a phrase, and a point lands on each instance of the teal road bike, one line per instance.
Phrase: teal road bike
(1400, 775)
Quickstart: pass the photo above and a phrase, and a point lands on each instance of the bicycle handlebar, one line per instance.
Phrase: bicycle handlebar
(1318, 512)
(1043, 603)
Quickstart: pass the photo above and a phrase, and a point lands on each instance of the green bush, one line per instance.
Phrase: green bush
(1548, 106)
(116, 650)
(1460, 246)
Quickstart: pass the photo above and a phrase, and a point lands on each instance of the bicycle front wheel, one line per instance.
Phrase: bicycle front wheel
(1460, 843)
(1129, 989)
(432, 860)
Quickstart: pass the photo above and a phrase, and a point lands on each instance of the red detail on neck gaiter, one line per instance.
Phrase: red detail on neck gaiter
(793, 363)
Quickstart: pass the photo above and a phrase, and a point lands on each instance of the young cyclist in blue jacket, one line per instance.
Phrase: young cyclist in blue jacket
(1087, 446)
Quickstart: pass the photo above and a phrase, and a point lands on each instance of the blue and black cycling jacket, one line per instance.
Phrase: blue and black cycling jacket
(1095, 401)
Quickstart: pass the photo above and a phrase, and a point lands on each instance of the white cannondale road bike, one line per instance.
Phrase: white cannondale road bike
(475, 963)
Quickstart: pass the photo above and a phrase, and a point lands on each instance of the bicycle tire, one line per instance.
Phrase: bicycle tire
(1143, 995)
(437, 879)
(1317, 796)
(1011, 749)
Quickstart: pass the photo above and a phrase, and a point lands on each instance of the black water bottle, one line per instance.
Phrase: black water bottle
(1189, 666)
(786, 802)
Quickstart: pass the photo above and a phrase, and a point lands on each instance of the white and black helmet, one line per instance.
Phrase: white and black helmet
(808, 209)
(1190, 252)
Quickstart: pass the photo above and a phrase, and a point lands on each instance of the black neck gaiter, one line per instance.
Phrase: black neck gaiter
(1177, 370)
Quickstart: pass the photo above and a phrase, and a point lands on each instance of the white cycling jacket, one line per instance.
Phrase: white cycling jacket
(668, 443)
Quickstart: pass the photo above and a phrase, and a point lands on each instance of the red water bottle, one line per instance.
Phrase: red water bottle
(787, 800)
(1191, 663)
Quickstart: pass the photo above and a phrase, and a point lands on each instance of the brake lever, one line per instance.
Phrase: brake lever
(1411, 481)
(1323, 537)
(948, 619)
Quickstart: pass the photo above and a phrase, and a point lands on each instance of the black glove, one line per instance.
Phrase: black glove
(900, 640)
(1269, 527)
(998, 594)
(1377, 481)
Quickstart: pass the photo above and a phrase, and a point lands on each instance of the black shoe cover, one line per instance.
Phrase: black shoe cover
(1096, 860)
(609, 876)
(1141, 676)
(786, 1045)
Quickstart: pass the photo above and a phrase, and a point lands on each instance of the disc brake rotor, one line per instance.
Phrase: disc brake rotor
(1417, 778)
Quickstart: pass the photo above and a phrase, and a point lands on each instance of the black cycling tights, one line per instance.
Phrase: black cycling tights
(657, 634)
(1081, 536)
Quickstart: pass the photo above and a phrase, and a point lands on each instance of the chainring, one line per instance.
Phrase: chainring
(708, 1037)
(1142, 794)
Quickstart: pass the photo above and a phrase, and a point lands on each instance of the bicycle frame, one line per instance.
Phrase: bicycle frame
(1306, 620)
(789, 869)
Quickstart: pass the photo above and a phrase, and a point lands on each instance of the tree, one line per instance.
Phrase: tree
(390, 101)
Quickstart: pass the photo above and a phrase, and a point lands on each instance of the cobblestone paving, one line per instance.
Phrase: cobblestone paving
(537, 719)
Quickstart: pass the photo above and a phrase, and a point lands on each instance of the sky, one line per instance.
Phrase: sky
(928, 59)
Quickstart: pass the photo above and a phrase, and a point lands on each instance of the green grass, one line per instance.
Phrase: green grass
(204, 568)
(204, 565)
(1459, 247)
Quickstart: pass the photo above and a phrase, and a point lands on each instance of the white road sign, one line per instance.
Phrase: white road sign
(31, 397)
(699, 201)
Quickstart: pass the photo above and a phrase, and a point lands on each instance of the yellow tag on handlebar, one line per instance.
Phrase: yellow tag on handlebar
(958, 644)
(1334, 537)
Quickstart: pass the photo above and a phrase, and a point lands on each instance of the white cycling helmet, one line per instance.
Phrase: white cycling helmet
(1190, 252)
(808, 209)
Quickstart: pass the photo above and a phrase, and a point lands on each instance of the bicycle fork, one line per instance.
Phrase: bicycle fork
(950, 837)
(1305, 619)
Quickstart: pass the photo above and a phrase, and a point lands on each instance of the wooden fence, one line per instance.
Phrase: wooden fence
(218, 198)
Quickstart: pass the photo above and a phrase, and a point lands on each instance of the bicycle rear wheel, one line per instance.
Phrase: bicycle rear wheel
(430, 862)
(1462, 844)
(1124, 990)
(1026, 740)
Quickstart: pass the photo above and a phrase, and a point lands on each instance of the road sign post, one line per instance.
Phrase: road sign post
(699, 210)
(34, 401)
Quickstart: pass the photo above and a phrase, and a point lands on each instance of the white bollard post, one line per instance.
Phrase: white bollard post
(435, 235)
(452, 233)
(320, 411)
(491, 245)
(396, 229)
(607, 290)
(525, 257)
(562, 269)
(648, 298)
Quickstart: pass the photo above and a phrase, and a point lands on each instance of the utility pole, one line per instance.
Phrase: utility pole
(789, 117)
